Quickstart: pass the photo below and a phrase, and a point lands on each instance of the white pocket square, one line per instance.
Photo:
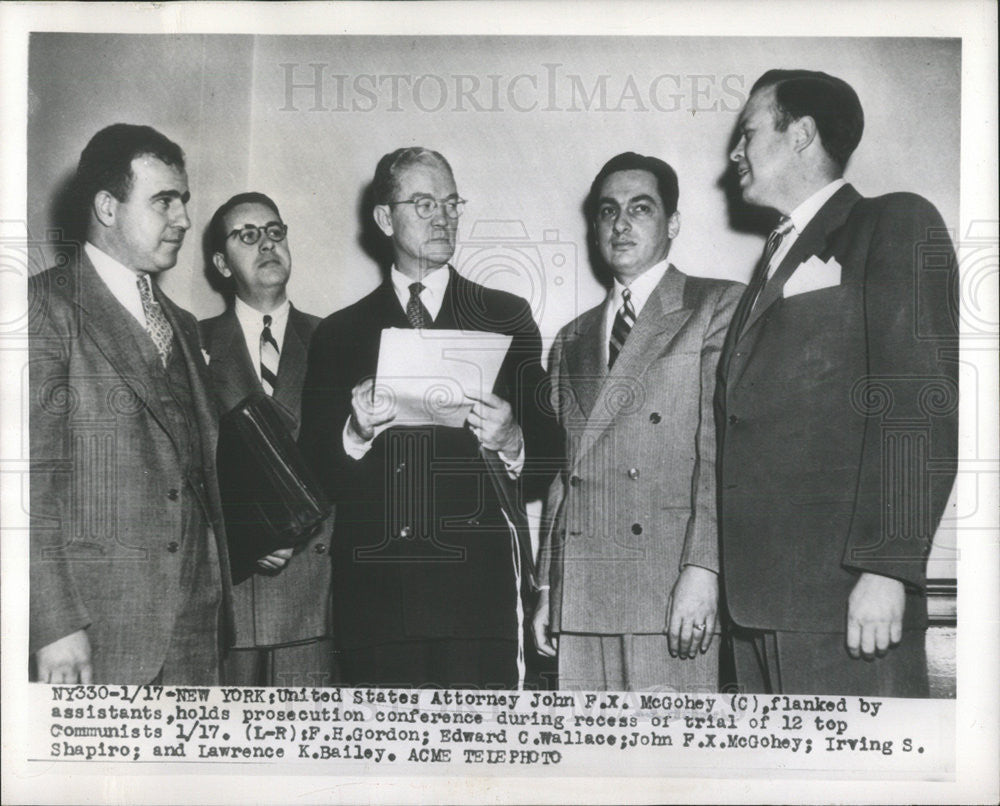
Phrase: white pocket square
(206, 356)
(812, 275)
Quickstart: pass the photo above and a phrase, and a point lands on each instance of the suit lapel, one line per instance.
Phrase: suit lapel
(292, 365)
(106, 322)
(231, 368)
(585, 359)
(659, 321)
(830, 217)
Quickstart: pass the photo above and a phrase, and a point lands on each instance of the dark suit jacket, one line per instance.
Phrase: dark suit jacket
(293, 604)
(106, 472)
(637, 501)
(421, 547)
(837, 418)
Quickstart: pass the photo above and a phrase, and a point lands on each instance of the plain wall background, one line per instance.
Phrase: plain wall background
(225, 100)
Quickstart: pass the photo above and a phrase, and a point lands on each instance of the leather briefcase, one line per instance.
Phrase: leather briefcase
(270, 498)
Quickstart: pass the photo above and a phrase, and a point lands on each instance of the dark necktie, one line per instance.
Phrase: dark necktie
(268, 357)
(415, 310)
(759, 278)
(624, 321)
(157, 325)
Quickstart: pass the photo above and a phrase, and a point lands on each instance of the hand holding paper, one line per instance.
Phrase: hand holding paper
(432, 377)
(370, 413)
(492, 421)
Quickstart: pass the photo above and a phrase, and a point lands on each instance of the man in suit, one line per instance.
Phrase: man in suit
(632, 556)
(128, 565)
(260, 343)
(836, 406)
(425, 560)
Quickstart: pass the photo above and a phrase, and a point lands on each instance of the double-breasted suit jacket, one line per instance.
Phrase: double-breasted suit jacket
(422, 549)
(837, 415)
(117, 471)
(637, 500)
(293, 604)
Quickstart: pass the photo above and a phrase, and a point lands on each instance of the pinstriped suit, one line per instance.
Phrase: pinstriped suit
(637, 501)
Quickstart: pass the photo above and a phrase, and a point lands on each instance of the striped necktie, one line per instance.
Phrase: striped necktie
(157, 325)
(418, 315)
(623, 324)
(268, 357)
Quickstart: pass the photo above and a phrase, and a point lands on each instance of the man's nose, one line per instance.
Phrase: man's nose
(622, 223)
(737, 153)
(180, 218)
(265, 241)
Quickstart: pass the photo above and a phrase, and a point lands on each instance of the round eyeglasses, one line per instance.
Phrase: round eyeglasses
(427, 206)
(250, 234)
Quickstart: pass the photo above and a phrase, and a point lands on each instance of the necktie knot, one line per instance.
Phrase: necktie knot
(415, 289)
(267, 320)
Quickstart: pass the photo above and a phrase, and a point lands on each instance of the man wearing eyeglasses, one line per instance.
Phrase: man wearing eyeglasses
(260, 343)
(426, 584)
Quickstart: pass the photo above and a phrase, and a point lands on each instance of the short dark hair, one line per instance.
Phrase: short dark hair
(666, 180)
(385, 182)
(217, 226)
(828, 100)
(106, 161)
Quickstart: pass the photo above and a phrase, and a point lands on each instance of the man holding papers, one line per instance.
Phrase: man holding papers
(425, 558)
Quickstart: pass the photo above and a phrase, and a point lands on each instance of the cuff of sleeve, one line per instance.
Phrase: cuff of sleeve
(516, 465)
(354, 446)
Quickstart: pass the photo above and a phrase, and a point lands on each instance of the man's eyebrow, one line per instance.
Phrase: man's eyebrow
(260, 226)
(185, 197)
(642, 197)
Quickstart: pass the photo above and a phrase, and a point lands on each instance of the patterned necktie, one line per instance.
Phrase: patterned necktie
(624, 321)
(760, 275)
(157, 325)
(268, 357)
(415, 310)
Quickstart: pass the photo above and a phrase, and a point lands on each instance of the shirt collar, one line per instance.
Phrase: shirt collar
(120, 280)
(806, 211)
(641, 286)
(435, 282)
(252, 321)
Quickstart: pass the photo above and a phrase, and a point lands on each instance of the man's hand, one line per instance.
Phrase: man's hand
(692, 612)
(367, 414)
(874, 615)
(546, 644)
(66, 660)
(276, 560)
(492, 423)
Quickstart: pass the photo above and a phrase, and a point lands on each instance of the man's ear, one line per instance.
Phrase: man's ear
(804, 132)
(219, 261)
(674, 225)
(105, 207)
(383, 219)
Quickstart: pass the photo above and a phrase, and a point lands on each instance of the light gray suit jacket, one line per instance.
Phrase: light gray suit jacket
(293, 604)
(637, 500)
(106, 480)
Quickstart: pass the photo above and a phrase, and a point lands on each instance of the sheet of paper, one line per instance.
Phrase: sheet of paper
(425, 375)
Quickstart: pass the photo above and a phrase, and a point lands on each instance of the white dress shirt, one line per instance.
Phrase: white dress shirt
(252, 324)
(641, 288)
(432, 296)
(120, 280)
(800, 217)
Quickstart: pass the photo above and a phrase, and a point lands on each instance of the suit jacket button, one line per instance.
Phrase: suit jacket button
(320, 548)
(733, 419)
(400, 466)
(172, 547)
(655, 418)
(636, 528)
(633, 473)
(173, 495)
(405, 533)
(574, 481)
